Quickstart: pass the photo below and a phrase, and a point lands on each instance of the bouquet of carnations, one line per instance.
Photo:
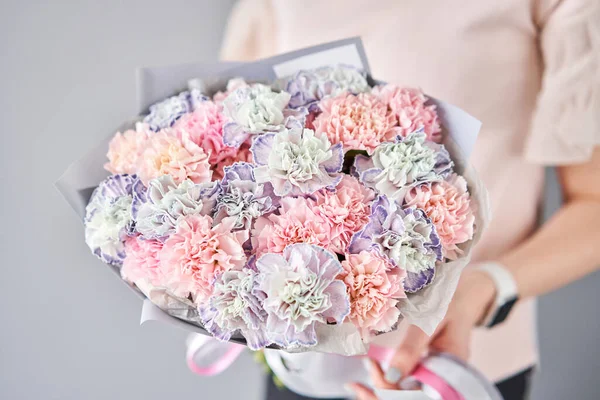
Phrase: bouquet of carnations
(313, 211)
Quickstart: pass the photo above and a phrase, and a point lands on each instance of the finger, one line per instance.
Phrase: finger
(362, 392)
(407, 355)
(378, 376)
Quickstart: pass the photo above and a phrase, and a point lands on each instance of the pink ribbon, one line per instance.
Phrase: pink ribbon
(383, 355)
(378, 353)
(219, 365)
(430, 379)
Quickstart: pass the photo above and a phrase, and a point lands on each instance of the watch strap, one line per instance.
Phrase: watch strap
(506, 292)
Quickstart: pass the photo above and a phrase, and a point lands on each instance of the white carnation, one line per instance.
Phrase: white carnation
(257, 108)
(106, 227)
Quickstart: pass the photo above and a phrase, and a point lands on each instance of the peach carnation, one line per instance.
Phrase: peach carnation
(197, 252)
(141, 261)
(374, 287)
(408, 105)
(124, 150)
(447, 204)
(359, 122)
(346, 209)
(205, 127)
(296, 223)
(175, 154)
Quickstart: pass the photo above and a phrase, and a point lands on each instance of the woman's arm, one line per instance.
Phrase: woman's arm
(567, 247)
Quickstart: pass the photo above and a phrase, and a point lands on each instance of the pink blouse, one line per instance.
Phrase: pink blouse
(528, 69)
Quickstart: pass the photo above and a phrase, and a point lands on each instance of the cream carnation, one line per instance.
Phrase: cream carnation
(447, 204)
(197, 252)
(175, 154)
(346, 209)
(358, 122)
(374, 286)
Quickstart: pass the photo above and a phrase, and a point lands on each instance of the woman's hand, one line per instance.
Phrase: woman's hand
(473, 297)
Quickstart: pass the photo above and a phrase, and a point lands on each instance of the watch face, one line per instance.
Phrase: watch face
(503, 311)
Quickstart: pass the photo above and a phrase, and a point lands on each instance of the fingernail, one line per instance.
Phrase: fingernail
(393, 375)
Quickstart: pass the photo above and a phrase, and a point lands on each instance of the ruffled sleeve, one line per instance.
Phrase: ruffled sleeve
(566, 125)
(250, 32)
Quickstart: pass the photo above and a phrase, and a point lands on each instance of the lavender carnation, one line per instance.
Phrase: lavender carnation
(165, 202)
(405, 236)
(296, 161)
(301, 290)
(108, 220)
(164, 113)
(394, 168)
(255, 110)
(242, 198)
(236, 305)
(308, 87)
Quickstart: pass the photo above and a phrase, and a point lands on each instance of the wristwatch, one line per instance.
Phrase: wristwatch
(506, 293)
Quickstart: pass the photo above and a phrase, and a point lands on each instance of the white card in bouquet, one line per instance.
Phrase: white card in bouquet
(346, 54)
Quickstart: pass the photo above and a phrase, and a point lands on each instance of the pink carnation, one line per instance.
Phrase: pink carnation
(346, 209)
(359, 122)
(141, 261)
(408, 105)
(447, 204)
(168, 153)
(374, 287)
(197, 252)
(205, 127)
(124, 150)
(296, 223)
(243, 154)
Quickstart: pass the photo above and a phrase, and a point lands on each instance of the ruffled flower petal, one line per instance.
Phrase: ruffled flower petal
(197, 253)
(404, 236)
(300, 291)
(374, 286)
(236, 306)
(242, 199)
(358, 122)
(296, 161)
(416, 281)
(164, 113)
(108, 220)
(166, 202)
(394, 168)
(295, 222)
(409, 107)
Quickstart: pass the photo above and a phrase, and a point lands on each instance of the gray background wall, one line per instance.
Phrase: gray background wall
(68, 330)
